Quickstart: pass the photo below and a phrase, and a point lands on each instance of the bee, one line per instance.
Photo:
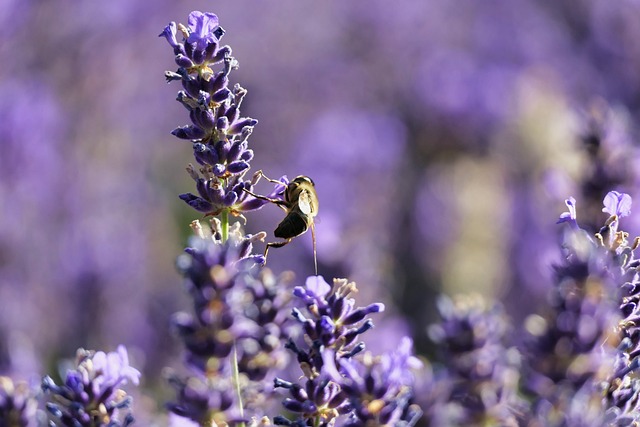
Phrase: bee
(301, 205)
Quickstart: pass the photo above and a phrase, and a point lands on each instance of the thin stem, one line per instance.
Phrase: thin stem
(236, 380)
(224, 225)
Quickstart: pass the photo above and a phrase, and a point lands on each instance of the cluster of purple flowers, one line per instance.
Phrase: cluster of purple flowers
(90, 395)
(365, 390)
(218, 133)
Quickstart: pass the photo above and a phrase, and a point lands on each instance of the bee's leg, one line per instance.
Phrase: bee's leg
(280, 203)
(274, 181)
(274, 245)
(261, 174)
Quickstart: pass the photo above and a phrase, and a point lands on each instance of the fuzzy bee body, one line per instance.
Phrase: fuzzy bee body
(292, 225)
(301, 205)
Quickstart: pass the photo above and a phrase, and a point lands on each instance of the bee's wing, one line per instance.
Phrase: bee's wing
(305, 203)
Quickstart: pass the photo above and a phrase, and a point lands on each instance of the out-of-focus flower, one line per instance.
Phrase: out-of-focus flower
(239, 314)
(17, 404)
(90, 395)
(481, 371)
(205, 400)
(583, 342)
(569, 216)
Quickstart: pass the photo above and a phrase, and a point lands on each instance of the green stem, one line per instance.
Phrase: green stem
(236, 380)
(224, 224)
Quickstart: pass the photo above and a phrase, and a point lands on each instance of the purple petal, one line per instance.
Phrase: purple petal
(198, 203)
(169, 33)
(188, 132)
(237, 166)
(203, 26)
(616, 203)
(317, 286)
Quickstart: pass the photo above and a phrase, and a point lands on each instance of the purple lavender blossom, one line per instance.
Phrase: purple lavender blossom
(320, 399)
(378, 389)
(334, 322)
(618, 204)
(337, 386)
(90, 395)
(218, 132)
(569, 216)
(17, 404)
(234, 337)
(481, 370)
(239, 312)
(584, 342)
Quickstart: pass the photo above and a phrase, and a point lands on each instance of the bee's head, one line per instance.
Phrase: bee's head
(302, 179)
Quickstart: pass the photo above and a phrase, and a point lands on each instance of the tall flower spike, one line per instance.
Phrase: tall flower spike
(90, 395)
(239, 311)
(233, 338)
(217, 131)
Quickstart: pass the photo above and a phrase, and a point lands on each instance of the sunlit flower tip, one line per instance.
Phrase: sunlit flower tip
(230, 198)
(221, 96)
(239, 125)
(616, 203)
(569, 216)
(220, 81)
(360, 313)
(205, 29)
(237, 166)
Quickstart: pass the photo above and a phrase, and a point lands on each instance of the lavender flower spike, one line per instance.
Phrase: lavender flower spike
(90, 395)
(218, 132)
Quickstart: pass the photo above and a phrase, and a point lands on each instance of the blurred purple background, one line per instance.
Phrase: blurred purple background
(442, 136)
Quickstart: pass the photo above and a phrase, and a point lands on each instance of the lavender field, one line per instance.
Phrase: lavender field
(470, 171)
